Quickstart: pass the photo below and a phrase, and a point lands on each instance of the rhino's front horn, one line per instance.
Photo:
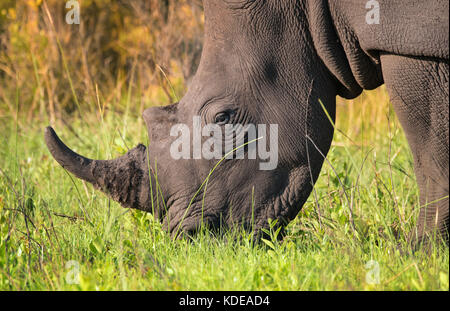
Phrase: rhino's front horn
(125, 179)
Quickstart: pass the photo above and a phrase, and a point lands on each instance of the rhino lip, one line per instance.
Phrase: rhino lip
(180, 224)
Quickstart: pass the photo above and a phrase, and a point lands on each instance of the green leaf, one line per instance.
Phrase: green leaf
(269, 243)
(96, 246)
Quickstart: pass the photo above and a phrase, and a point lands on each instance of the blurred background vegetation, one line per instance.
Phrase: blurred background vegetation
(148, 47)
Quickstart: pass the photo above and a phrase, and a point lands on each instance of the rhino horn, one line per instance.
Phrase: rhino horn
(125, 179)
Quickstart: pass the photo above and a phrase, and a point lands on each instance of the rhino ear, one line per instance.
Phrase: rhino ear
(159, 120)
(125, 179)
(160, 114)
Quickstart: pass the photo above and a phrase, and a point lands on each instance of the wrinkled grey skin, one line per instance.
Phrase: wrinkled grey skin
(269, 62)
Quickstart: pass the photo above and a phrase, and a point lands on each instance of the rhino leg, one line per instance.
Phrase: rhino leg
(419, 90)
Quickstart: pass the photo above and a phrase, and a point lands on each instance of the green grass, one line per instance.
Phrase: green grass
(53, 225)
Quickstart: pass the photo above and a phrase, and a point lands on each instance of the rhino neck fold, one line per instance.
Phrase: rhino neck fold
(340, 50)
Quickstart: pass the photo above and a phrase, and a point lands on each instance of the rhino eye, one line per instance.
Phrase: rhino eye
(222, 118)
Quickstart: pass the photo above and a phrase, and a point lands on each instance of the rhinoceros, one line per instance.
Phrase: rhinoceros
(283, 62)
